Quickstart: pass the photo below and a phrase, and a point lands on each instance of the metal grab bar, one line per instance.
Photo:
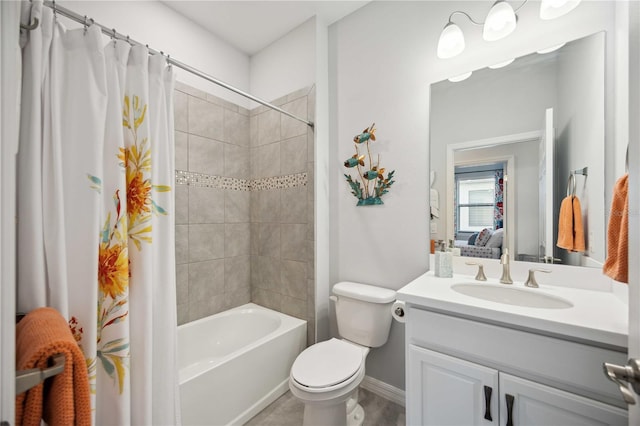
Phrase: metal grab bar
(26, 379)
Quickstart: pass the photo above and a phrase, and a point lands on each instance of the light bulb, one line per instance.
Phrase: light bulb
(500, 22)
(451, 42)
(460, 77)
(551, 9)
(501, 64)
(551, 49)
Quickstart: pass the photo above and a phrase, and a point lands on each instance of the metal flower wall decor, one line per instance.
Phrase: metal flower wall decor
(372, 184)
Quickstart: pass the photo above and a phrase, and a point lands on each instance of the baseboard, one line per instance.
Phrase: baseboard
(383, 389)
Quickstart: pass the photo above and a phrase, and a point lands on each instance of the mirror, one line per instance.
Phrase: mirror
(536, 121)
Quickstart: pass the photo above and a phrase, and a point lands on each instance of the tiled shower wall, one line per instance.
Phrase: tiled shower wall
(244, 206)
(282, 225)
(212, 216)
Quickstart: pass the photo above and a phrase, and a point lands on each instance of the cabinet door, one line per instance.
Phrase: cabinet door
(533, 404)
(446, 391)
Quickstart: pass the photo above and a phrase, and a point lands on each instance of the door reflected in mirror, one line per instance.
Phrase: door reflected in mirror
(536, 121)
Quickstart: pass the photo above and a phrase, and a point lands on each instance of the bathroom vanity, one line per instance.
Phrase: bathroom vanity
(510, 355)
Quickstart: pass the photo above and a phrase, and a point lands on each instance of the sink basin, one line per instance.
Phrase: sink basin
(512, 296)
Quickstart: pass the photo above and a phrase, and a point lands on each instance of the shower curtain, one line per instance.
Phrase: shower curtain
(95, 210)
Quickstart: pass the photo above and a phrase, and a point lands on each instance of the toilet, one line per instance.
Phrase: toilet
(326, 376)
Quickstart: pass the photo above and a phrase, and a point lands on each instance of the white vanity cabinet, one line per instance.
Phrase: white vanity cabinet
(533, 404)
(449, 391)
(462, 371)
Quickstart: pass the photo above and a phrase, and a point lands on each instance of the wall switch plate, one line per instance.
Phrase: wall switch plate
(434, 228)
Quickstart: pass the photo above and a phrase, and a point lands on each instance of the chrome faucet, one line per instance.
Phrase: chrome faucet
(531, 280)
(504, 261)
(480, 276)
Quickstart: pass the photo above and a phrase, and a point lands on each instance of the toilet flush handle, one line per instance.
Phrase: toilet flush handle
(334, 299)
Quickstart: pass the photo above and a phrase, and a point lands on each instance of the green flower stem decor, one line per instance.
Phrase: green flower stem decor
(372, 184)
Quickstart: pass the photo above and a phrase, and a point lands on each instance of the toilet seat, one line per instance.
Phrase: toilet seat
(327, 365)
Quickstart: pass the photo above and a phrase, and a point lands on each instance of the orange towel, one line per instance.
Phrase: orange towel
(570, 229)
(616, 266)
(578, 229)
(65, 400)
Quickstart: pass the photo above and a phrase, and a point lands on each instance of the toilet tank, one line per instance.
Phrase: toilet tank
(363, 313)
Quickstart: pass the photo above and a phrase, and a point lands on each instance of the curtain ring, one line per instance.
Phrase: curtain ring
(32, 26)
(55, 10)
(85, 24)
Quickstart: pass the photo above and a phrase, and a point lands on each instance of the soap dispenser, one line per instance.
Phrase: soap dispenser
(444, 264)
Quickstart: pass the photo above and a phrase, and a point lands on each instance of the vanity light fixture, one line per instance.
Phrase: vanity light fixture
(502, 64)
(500, 22)
(461, 77)
(551, 9)
(551, 49)
(451, 42)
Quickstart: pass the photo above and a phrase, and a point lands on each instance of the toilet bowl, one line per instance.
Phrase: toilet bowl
(326, 376)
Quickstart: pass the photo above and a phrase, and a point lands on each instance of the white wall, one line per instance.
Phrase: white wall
(9, 127)
(634, 196)
(286, 65)
(579, 139)
(162, 29)
(384, 61)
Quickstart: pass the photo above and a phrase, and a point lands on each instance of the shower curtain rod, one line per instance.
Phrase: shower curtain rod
(84, 20)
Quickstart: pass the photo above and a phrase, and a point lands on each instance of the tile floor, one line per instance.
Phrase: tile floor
(287, 411)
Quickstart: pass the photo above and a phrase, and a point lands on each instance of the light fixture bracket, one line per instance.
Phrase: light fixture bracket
(442, 48)
(473, 21)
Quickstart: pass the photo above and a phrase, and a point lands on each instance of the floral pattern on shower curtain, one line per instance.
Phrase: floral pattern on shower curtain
(95, 169)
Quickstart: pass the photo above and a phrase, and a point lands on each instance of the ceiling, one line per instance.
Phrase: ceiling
(250, 26)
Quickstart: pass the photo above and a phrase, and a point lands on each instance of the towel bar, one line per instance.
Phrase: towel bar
(26, 379)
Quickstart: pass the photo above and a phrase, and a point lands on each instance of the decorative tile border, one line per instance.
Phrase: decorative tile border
(210, 181)
(279, 182)
(220, 182)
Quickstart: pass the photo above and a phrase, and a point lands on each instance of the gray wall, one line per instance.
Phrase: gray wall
(282, 226)
(244, 206)
(580, 137)
(212, 219)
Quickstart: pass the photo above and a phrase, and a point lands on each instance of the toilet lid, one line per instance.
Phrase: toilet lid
(327, 363)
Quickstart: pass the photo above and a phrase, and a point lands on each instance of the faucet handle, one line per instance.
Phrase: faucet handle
(480, 276)
(531, 279)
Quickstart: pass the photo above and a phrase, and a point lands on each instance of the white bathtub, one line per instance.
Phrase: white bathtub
(235, 363)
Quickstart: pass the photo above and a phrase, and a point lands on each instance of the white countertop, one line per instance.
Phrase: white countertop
(596, 316)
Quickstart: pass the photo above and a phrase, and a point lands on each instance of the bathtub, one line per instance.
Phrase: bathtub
(234, 364)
